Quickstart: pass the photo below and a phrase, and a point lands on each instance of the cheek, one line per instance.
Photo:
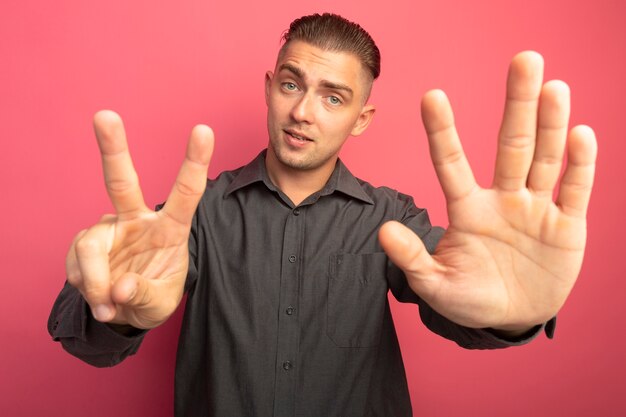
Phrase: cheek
(272, 112)
(277, 108)
(342, 127)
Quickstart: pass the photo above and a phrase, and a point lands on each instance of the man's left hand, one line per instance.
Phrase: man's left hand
(512, 253)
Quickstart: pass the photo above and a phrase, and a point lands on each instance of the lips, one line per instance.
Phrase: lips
(298, 136)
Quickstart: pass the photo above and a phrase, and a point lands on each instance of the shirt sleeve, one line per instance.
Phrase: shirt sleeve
(417, 220)
(95, 343)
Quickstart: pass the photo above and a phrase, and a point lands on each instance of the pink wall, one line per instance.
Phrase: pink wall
(166, 66)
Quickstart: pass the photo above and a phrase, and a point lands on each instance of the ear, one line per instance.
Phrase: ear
(364, 119)
(269, 75)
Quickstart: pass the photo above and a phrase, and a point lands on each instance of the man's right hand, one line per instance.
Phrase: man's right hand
(131, 267)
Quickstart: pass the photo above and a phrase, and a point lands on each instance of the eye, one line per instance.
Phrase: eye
(334, 100)
(290, 86)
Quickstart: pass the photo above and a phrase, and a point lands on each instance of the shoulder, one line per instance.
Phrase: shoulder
(405, 211)
(402, 203)
(223, 180)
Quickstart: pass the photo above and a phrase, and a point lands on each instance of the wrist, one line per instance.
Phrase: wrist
(515, 334)
(125, 329)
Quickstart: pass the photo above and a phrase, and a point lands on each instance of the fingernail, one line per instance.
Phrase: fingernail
(101, 312)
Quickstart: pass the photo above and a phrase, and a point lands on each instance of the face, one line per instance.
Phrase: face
(316, 100)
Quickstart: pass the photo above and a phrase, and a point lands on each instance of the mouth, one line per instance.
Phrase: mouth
(297, 136)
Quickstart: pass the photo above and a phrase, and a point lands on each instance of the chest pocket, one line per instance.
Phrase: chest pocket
(357, 296)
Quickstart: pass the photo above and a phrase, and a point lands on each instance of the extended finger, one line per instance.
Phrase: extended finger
(516, 142)
(120, 177)
(577, 180)
(191, 181)
(554, 109)
(453, 170)
(92, 255)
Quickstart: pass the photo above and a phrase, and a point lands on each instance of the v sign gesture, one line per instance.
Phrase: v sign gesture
(131, 267)
(511, 254)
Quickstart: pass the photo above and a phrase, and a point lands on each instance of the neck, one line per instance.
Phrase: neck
(297, 184)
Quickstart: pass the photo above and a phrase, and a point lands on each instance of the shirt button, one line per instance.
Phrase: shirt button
(287, 365)
(296, 212)
(290, 310)
(292, 258)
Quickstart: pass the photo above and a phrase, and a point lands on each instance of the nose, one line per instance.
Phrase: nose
(303, 110)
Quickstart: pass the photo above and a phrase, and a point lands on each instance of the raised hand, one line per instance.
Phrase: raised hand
(131, 267)
(511, 254)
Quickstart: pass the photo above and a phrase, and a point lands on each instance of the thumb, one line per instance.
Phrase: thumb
(131, 290)
(146, 303)
(407, 251)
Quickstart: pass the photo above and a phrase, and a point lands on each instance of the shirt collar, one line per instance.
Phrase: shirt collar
(340, 180)
(249, 174)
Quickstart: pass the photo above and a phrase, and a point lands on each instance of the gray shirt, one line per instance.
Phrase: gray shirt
(287, 311)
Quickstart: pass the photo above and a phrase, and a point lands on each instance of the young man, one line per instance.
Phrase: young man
(287, 261)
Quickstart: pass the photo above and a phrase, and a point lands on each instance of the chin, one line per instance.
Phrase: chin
(296, 164)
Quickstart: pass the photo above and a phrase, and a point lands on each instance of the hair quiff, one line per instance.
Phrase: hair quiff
(332, 32)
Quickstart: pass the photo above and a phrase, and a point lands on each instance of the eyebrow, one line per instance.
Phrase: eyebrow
(324, 83)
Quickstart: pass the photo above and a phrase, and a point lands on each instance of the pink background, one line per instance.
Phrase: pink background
(166, 66)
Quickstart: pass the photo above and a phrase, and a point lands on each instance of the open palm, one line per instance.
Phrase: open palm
(511, 254)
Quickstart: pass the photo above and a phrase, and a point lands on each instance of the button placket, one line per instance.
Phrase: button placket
(288, 325)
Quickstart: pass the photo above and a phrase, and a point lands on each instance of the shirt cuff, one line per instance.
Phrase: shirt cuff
(548, 327)
(96, 343)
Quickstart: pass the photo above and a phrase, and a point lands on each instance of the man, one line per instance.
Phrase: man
(283, 260)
